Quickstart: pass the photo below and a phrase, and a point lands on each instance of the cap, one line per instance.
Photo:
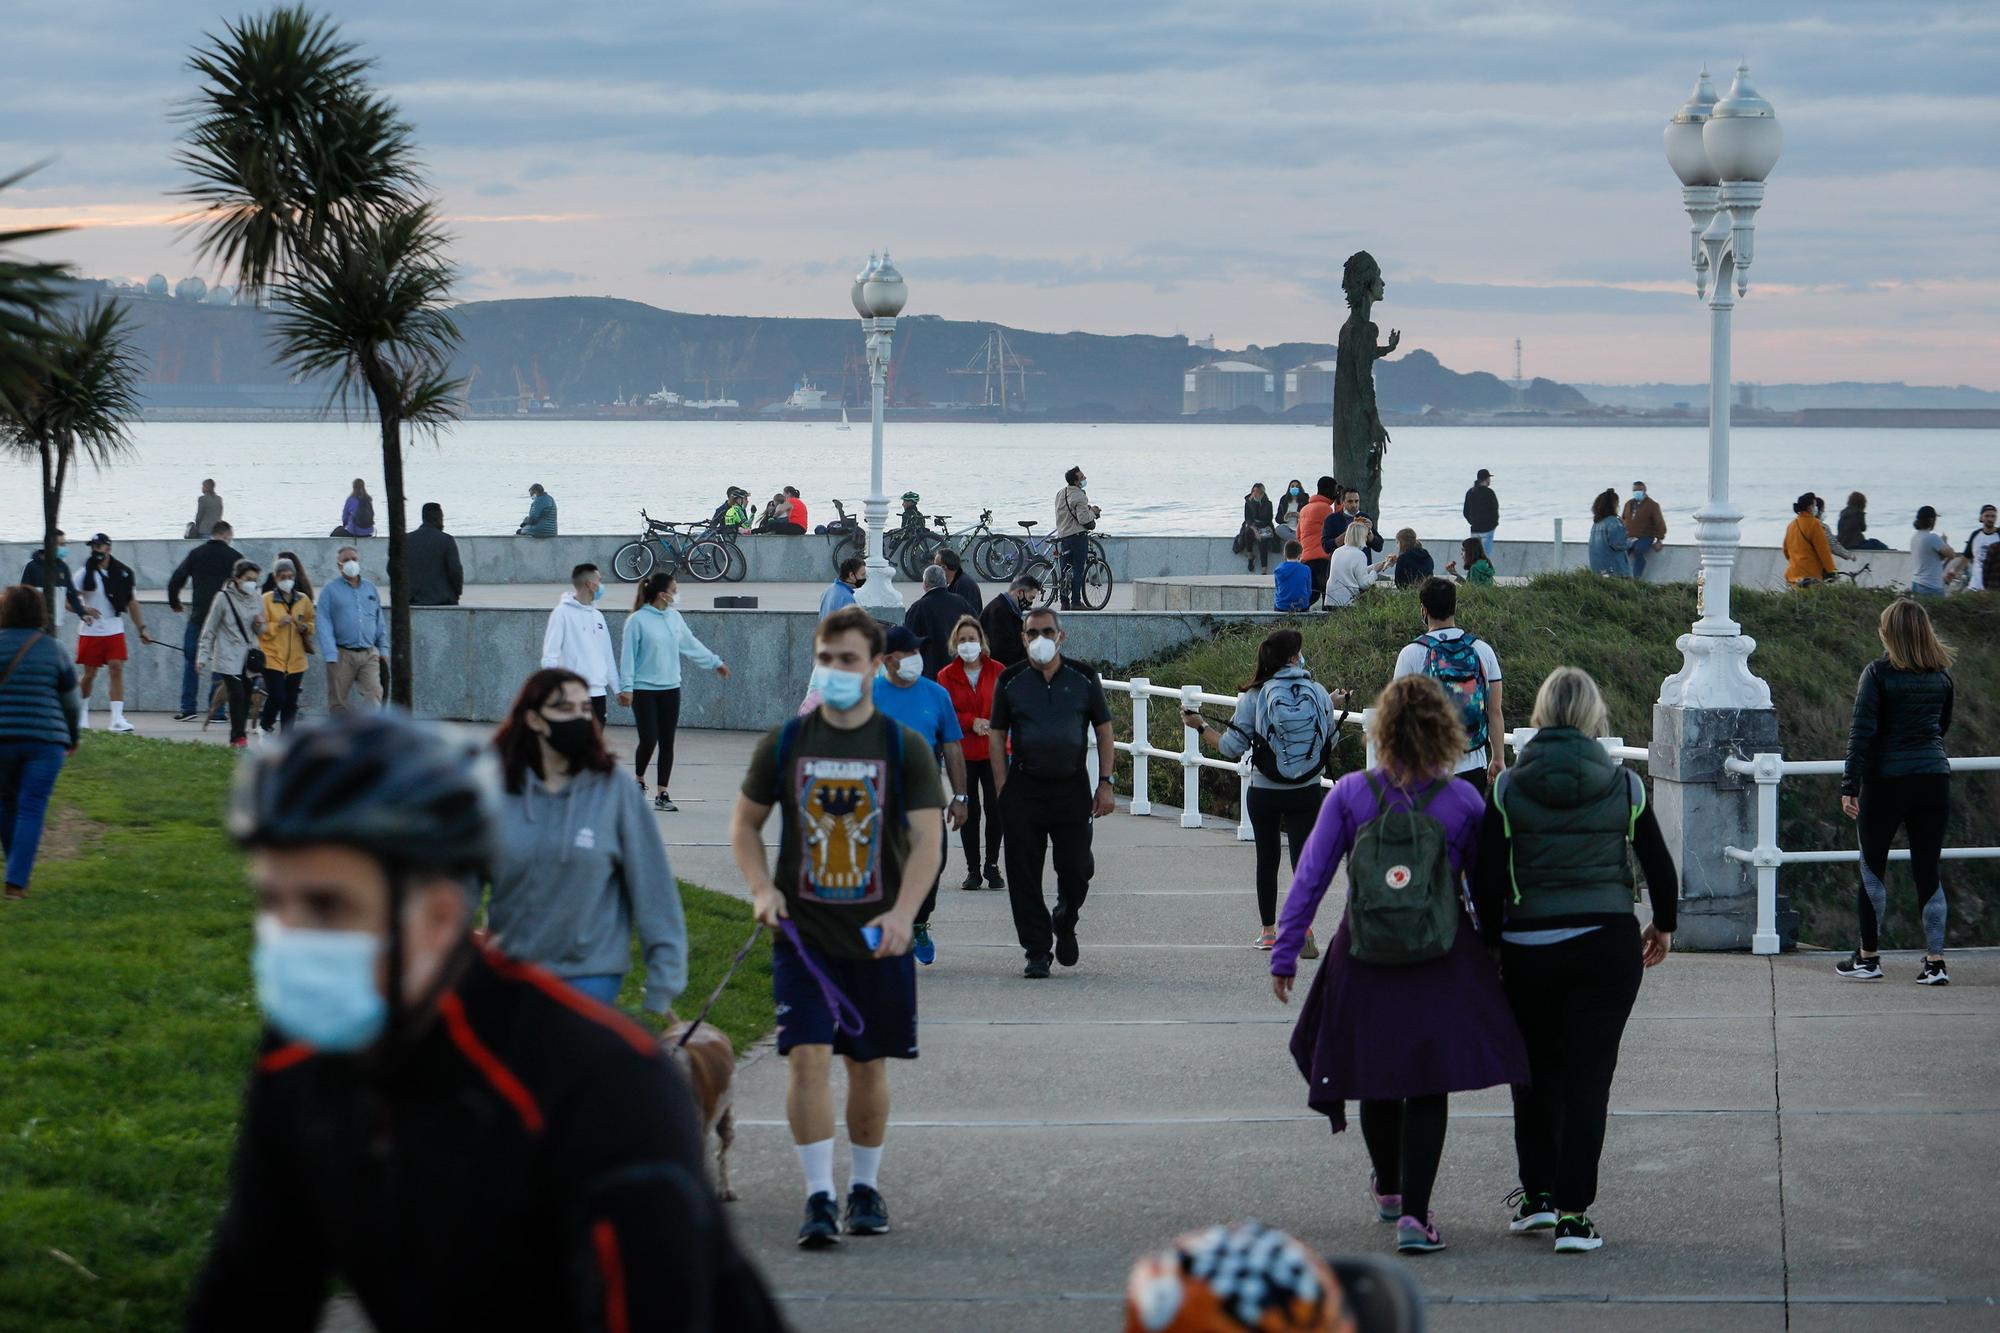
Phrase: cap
(1483, 475)
(1247, 1278)
(101, 539)
(901, 639)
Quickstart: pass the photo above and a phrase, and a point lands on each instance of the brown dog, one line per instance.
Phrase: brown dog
(708, 1062)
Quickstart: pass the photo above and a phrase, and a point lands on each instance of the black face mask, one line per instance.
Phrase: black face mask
(861, 583)
(574, 738)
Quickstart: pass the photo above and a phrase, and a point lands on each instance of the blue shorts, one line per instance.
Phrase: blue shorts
(884, 990)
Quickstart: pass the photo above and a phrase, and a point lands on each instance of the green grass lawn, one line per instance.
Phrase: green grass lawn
(1811, 646)
(127, 1025)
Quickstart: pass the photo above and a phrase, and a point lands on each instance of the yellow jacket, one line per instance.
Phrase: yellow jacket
(288, 633)
(1807, 554)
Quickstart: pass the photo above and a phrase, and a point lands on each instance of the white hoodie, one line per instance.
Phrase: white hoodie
(578, 640)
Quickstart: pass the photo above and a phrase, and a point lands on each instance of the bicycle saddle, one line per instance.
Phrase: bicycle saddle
(1026, 522)
(939, 518)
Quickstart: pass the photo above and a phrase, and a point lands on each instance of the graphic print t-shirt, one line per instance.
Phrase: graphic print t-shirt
(840, 858)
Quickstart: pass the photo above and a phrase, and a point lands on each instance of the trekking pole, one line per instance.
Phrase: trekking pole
(716, 994)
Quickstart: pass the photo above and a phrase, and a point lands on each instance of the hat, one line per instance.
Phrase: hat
(901, 639)
(101, 539)
(1483, 475)
(1247, 1278)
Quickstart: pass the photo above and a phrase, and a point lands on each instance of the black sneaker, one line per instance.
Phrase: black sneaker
(1934, 973)
(1536, 1213)
(1575, 1234)
(1037, 969)
(822, 1225)
(186, 715)
(1065, 941)
(867, 1212)
(665, 804)
(971, 880)
(1857, 968)
(993, 880)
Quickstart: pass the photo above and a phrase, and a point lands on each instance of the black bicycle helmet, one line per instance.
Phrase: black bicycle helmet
(404, 792)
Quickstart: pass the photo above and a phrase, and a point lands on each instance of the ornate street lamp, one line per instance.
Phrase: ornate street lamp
(1722, 150)
(879, 295)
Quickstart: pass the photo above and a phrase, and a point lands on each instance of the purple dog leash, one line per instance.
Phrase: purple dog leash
(846, 1017)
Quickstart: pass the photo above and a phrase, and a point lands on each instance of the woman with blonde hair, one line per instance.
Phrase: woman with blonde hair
(1897, 774)
(1554, 893)
(969, 678)
(1395, 1034)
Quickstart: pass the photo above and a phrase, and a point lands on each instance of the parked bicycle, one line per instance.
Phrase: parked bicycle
(682, 548)
(1044, 561)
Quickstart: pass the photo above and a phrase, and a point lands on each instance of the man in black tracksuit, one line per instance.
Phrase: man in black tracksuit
(209, 566)
(1050, 710)
(31, 575)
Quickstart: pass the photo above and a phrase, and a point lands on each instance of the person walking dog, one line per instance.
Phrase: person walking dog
(106, 590)
(229, 645)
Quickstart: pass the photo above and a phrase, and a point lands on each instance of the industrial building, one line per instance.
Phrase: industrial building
(1224, 386)
(1311, 384)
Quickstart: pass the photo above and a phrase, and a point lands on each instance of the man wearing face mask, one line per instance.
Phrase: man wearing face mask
(931, 617)
(1050, 709)
(1076, 516)
(31, 575)
(1002, 620)
(1645, 527)
(578, 640)
(853, 573)
(353, 635)
(862, 841)
(105, 589)
(456, 1137)
(909, 694)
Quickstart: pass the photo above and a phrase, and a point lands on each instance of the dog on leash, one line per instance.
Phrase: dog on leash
(708, 1061)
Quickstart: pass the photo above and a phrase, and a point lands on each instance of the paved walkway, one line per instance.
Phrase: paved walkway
(1788, 1150)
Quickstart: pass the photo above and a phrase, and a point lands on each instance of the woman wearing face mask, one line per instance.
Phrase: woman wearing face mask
(1289, 504)
(229, 644)
(649, 662)
(580, 866)
(969, 679)
(289, 633)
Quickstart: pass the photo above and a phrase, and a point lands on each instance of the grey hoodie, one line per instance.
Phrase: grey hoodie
(578, 871)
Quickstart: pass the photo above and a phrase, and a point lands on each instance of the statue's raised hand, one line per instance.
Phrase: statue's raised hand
(1395, 337)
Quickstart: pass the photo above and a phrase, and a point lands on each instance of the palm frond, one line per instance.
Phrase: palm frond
(29, 292)
(83, 398)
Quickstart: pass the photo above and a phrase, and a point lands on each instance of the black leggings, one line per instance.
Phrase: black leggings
(1405, 1142)
(1920, 802)
(979, 796)
(658, 714)
(1280, 812)
(237, 689)
(1571, 1001)
(281, 700)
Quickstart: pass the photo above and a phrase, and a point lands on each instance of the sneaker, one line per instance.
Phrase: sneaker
(1388, 1207)
(1934, 973)
(1037, 969)
(15, 893)
(665, 804)
(1311, 948)
(120, 724)
(1857, 968)
(867, 1212)
(1536, 1213)
(1575, 1234)
(925, 950)
(1065, 940)
(822, 1225)
(240, 743)
(993, 880)
(186, 715)
(971, 880)
(1418, 1237)
(1267, 940)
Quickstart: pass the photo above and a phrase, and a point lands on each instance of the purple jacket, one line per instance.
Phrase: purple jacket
(1347, 807)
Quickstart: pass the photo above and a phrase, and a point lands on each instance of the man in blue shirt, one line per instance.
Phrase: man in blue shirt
(853, 573)
(906, 695)
(1292, 581)
(353, 635)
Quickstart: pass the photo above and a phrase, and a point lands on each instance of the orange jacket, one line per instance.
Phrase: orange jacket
(1807, 554)
(1312, 518)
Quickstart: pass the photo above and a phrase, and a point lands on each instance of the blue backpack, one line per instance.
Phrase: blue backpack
(1454, 664)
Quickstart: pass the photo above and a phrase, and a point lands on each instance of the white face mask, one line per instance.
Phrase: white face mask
(286, 585)
(909, 668)
(247, 585)
(969, 651)
(351, 569)
(1041, 651)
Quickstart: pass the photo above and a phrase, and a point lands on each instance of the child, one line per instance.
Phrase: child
(1292, 581)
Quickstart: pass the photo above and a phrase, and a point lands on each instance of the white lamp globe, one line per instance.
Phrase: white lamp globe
(1685, 153)
(860, 280)
(1742, 137)
(882, 291)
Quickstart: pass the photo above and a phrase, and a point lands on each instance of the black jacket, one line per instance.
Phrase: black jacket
(32, 576)
(1335, 528)
(1482, 509)
(1900, 718)
(531, 1161)
(967, 590)
(1002, 622)
(209, 566)
(930, 618)
(436, 576)
(117, 585)
(1414, 566)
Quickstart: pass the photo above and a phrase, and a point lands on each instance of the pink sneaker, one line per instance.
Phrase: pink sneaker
(1418, 1237)
(1388, 1207)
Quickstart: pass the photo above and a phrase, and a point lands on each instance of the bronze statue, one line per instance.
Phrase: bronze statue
(1358, 438)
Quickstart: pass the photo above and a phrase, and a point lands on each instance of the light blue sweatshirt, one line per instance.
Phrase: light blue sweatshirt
(649, 658)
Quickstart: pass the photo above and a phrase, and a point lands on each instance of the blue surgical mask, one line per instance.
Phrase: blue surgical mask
(1297, 491)
(1638, 495)
(318, 986)
(841, 690)
(62, 552)
(597, 594)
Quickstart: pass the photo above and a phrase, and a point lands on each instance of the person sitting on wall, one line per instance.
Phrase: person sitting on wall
(541, 519)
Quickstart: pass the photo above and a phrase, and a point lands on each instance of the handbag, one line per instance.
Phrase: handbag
(253, 657)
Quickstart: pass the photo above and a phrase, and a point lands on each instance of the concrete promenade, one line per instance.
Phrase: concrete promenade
(1787, 1149)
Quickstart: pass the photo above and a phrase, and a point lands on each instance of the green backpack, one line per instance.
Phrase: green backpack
(1402, 899)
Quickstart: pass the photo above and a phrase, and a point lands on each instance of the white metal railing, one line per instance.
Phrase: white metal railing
(1768, 771)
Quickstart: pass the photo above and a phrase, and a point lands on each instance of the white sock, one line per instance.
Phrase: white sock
(117, 712)
(867, 1162)
(83, 718)
(816, 1160)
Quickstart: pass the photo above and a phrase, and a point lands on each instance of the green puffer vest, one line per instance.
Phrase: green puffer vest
(1569, 811)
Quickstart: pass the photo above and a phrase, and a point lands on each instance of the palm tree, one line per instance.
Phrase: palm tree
(77, 404)
(311, 194)
(29, 291)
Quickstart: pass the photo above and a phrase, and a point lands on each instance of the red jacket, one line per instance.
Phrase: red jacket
(971, 701)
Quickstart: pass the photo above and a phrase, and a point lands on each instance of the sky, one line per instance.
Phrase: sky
(1116, 167)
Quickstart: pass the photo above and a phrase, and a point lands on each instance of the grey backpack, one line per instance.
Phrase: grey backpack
(1402, 899)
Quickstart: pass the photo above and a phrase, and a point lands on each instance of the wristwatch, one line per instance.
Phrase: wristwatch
(960, 800)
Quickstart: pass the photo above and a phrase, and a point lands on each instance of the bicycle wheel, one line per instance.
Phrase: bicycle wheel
(706, 560)
(1095, 550)
(1096, 591)
(1044, 573)
(998, 557)
(915, 553)
(739, 564)
(634, 560)
(851, 546)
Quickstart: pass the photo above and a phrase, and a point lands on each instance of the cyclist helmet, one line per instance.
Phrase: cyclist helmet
(1246, 1278)
(738, 493)
(402, 791)
(911, 497)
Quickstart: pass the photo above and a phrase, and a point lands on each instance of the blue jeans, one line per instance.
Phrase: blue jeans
(1919, 591)
(1640, 547)
(602, 989)
(27, 775)
(190, 678)
(1486, 542)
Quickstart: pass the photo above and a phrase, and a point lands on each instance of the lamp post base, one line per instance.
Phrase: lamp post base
(878, 596)
(1715, 674)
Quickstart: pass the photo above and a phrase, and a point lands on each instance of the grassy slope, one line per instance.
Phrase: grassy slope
(126, 1028)
(1811, 647)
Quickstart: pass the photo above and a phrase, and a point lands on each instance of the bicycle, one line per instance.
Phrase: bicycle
(703, 557)
(1047, 567)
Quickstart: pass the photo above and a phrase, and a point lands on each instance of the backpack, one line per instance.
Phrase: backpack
(1402, 899)
(788, 742)
(1295, 737)
(364, 512)
(1454, 664)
